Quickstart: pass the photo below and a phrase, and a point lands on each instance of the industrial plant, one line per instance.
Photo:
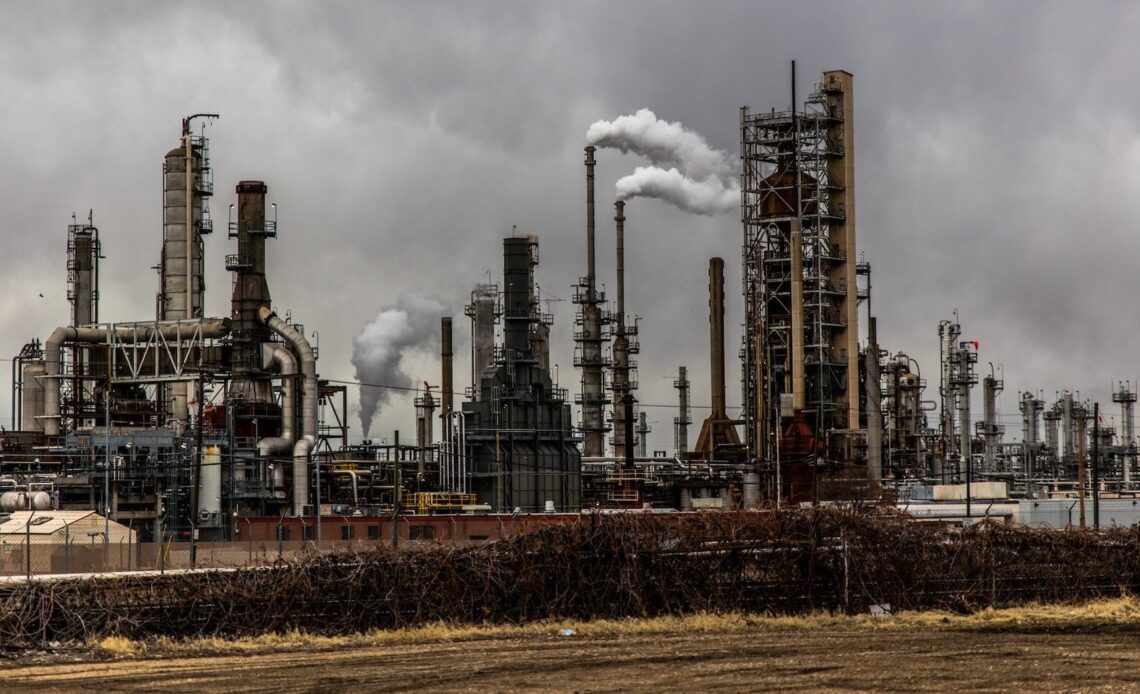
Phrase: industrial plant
(182, 425)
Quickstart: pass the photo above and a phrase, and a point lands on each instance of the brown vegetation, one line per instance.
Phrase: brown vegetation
(791, 562)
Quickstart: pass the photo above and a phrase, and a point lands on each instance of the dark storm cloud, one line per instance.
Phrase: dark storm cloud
(997, 148)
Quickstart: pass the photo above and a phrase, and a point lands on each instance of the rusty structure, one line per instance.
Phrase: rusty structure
(801, 354)
(718, 437)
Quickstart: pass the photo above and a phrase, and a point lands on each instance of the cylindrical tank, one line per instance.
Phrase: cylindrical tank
(210, 487)
(751, 490)
(33, 396)
(686, 499)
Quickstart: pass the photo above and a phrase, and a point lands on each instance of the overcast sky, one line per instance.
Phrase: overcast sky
(997, 165)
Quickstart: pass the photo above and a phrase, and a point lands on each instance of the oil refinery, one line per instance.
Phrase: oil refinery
(184, 425)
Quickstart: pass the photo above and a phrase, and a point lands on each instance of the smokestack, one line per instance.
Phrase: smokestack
(716, 336)
(874, 405)
(589, 338)
(590, 276)
(445, 361)
(619, 217)
(717, 430)
(623, 401)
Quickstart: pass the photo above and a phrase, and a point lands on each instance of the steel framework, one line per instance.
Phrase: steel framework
(799, 271)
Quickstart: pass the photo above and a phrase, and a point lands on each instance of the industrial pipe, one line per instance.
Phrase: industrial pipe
(126, 333)
(308, 439)
(273, 354)
(797, 339)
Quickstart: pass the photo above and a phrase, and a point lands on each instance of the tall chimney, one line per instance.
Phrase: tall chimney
(716, 335)
(622, 400)
(619, 218)
(590, 274)
(445, 362)
(874, 405)
(717, 430)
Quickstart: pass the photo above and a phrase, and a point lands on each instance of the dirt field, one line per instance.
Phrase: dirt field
(839, 657)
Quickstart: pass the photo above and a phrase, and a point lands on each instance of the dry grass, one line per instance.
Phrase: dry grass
(1118, 612)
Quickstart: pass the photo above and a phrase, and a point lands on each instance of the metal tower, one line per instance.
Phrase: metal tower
(590, 333)
(798, 211)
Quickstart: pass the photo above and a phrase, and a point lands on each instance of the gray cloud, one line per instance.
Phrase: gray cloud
(997, 147)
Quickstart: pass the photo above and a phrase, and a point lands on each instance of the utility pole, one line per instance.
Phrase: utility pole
(1096, 466)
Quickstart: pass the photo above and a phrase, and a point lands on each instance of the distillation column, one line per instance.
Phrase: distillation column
(484, 314)
(1127, 399)
(83, 250)
(1067, 433)
(1031, 408)
(990, 429)
(964, 377)
(186, 185)
(684, 418)
(948, 333)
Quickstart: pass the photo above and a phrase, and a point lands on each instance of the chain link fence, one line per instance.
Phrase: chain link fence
(97, 557)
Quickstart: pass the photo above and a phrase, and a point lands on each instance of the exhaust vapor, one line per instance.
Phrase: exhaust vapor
(412, 324)
(686, 171)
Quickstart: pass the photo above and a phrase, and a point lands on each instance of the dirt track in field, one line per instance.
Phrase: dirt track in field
(843, 659)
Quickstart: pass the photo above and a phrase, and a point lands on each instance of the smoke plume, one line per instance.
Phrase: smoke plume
(686, 171)
(707, 197)
(412, 324)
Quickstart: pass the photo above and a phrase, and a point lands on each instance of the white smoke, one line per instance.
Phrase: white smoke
(377, 352)
(707, 197)
(687, 172)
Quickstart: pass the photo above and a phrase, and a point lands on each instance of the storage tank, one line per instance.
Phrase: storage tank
(210, 487)
(32, 402)
(25, 501)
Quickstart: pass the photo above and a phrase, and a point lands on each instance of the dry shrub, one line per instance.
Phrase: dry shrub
(788, 562)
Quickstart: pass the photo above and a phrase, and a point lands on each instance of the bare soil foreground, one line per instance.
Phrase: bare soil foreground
(1094, 648)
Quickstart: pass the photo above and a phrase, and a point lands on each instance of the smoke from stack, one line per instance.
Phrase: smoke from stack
(686, 171)
(379, 348)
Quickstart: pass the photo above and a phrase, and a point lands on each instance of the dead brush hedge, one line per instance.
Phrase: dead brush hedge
(789, 562)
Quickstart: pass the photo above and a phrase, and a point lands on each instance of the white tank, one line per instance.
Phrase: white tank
(33, 396)
(25, 501)
(210, 487)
